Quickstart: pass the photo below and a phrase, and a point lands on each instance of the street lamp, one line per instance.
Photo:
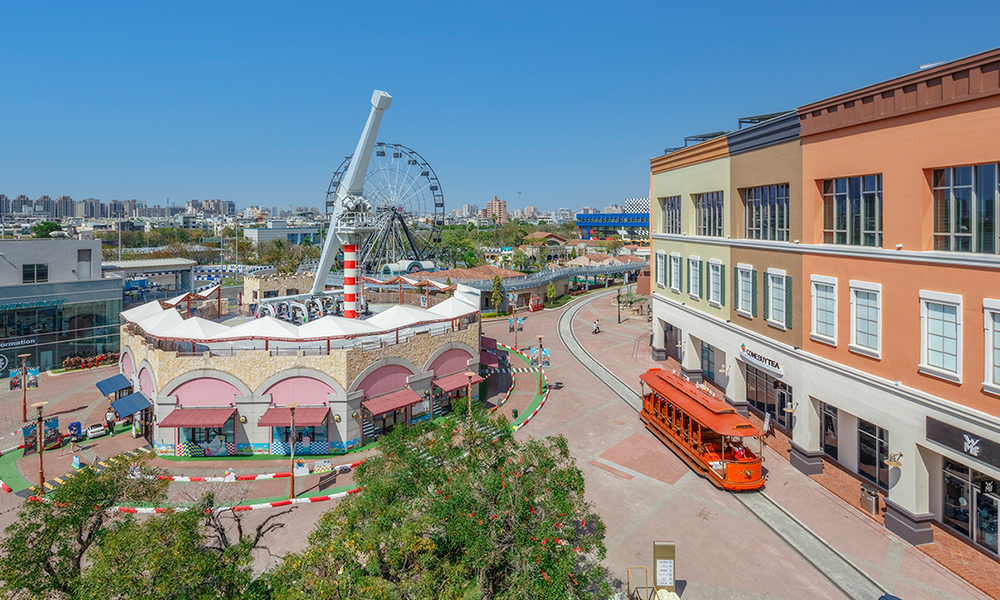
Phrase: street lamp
(619, 305)
(41, 448)
(24, 387)
(470, 374)
(540, 378)
(291, 443)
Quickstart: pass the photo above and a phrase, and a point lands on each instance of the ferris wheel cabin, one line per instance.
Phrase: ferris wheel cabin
(706, 432)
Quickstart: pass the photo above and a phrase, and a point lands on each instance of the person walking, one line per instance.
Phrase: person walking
(109, 417)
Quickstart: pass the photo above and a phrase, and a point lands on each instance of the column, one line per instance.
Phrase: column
(350, 281)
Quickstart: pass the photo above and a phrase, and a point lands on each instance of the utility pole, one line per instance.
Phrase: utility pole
(540, 378)
(291, 444)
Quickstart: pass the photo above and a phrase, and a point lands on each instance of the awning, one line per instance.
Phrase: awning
(198, 417)
(488, 359)
(305, 416)
(488, 343)
(455, 382)
(391, 401)
(114, 384)
(131, 404)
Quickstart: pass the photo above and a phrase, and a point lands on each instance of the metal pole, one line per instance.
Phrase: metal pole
(469, 374)
(41, 449)
(619, 305)
(513, 311)
(291, 444)
(540, 378)
(119, 234)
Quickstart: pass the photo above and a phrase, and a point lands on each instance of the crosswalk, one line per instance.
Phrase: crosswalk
(512, 369)
(57, 482)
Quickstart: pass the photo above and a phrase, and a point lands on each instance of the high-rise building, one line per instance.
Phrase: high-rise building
(497, 209)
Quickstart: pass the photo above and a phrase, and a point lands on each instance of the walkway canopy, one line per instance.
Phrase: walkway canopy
(391, 401)
(305, 416)
(131, 404)
(456, 382)
(115, 384)
(198, 417)
(708, 411)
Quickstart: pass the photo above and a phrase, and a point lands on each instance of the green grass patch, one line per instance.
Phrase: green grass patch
(8, 471)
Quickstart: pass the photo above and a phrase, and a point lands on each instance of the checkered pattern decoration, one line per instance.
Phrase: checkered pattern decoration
(637, 205)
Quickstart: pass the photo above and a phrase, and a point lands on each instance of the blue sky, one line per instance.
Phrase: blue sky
(564, 101)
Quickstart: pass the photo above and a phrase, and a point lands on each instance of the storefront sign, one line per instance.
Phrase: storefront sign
(16, 343)
(34, 304)
(761, 362)
(976, 446)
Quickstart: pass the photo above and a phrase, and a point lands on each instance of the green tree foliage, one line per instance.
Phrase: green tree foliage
(456, 242)
(613, 245)
(285, 257)
(496, 294)
(520, 259)
(453, 513)
(43, 229)
(550, 292)
(44, 549)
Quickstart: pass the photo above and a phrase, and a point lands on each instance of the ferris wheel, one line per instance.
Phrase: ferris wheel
(406, 208)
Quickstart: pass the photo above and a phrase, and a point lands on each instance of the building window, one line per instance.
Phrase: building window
(710, 214)
(941, 335)
(694, 278)
(828, 421)
(671, 214)
(766, 210)
(824, 309)
(991, 328)
(716, 283)
(965, 209)
(778, 299)
(745, 290)
(675, 272)
(708, 361)
(768, 395)
(852, 211)
(661, 260)
(866, 322)
(38, 273)
(873, 451)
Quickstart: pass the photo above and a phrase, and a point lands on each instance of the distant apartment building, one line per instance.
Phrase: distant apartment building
(278, 229)
(469, 210)
(496, 210)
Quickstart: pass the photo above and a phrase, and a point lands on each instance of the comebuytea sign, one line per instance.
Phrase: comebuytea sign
(761, 362)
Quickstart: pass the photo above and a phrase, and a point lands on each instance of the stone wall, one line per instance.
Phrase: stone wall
(255, 286)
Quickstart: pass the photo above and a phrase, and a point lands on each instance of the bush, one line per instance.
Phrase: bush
(76, 362)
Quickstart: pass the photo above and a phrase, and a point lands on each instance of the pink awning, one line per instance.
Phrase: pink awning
(198, 417)
(455, 382)
(488, 359)
(391, 401)
(487, 343)
(305, 416)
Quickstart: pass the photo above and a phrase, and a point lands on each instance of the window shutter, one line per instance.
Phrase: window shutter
(736, 288)
(753, 292)
(788, 301)
(767, 296)
(701, 279)
(722, 284)
(670, 271)
(687, 278)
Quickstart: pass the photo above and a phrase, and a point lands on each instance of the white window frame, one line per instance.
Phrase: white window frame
(715, 293)
(875, 288)
(676, 272)
(927, 296)
(744, 273)
(772, 276)
(990, 306)
(694, 269)
(661, 268)
(815, 280)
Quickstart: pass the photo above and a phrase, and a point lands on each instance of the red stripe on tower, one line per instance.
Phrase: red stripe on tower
(350, 281)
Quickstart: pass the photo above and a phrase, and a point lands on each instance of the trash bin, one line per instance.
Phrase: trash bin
(513, 411)
(869, 500)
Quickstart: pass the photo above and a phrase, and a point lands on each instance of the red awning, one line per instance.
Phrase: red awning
(487, 343)
(391, 401)
(305, 416)
(487, 359)
(455, 382)
(198, 417)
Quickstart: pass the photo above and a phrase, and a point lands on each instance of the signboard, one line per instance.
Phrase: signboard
(989, 486)
(3, 363)
(767, 423)
(964, 442)
(761, 362)
(545, 357)
(35, 304)
(664, 572)
(16, 343)
(664, 575)
(15, 379)
(30, 439)
(52, 437)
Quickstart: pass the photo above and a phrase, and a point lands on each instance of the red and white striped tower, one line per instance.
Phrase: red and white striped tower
(350, 281)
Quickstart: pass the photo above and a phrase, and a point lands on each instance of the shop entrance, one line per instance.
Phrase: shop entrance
(971, 505)
(986, 520)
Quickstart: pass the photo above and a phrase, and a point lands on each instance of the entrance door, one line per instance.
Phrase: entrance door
(986, 520)
(783, 417)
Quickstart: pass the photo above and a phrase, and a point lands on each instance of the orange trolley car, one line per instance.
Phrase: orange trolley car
(707, 433)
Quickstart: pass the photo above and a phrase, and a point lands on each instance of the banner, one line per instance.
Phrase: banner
(15, 379)
(52, 437)
(30, 439)
(545, 357)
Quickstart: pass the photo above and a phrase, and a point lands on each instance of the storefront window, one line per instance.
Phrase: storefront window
(873, 450)
(971, 504)
(830, 426)
(212, 439)
(51, 334)
(769, 395)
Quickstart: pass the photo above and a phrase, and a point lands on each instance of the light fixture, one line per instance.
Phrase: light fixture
(724, 369)
(790, 408)
(354, 415)
(893, 460)
(336, 418)
(243, 418)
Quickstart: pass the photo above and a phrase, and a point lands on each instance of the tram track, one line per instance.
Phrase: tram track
(836, 568)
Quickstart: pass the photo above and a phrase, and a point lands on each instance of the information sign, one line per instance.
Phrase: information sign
(665, 572)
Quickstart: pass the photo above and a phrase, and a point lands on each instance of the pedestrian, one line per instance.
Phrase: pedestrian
(109, 417)
(595, 326)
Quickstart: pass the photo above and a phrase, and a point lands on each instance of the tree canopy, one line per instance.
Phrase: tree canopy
(43, 229)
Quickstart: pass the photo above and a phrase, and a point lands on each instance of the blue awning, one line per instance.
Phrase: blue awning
(113, 384)
(131, 404)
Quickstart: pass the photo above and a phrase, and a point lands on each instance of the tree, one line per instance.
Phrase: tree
(496, 294)
(520, 259)
(614, 245)
(550, 292)
(43, 229)
(456, 512)
(45, 547)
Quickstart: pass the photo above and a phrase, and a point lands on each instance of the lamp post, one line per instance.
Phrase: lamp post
(41, 449)
(540, 378)
(291, 444)
(469, 374)
(619, 305)
(24, 387)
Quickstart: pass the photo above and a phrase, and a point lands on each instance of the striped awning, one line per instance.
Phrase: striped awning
(198, 417)
(391, 401)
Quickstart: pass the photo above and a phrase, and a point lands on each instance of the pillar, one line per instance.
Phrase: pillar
(350, 281)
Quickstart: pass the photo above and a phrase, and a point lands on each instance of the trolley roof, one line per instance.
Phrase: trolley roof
(710, 412)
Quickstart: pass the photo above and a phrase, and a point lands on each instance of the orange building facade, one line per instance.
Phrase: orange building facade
(861, 279)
